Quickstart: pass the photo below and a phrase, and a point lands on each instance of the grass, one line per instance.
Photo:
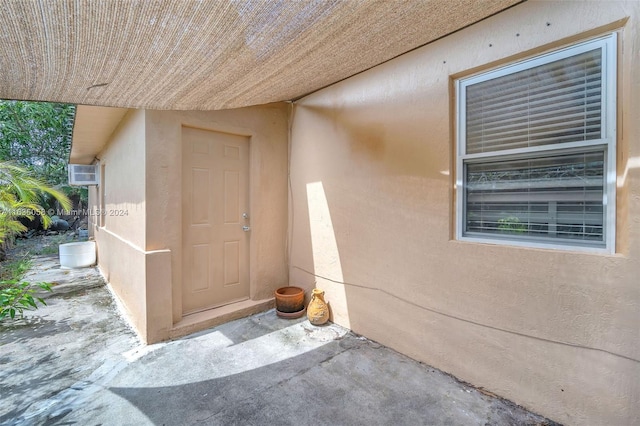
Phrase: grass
(41, 245)
(48, 250)
(14, 270)
(50, 244)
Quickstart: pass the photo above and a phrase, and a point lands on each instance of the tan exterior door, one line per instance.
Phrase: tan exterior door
(215, 202)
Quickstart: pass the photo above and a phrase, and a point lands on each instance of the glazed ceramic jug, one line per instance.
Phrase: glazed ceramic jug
(317, 311)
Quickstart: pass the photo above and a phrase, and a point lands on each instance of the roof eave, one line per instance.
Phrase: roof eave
(92, 130)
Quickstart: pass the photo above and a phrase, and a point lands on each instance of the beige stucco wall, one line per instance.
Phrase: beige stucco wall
(267, 128)
(140, 252)
(372, 214)
(121, 241)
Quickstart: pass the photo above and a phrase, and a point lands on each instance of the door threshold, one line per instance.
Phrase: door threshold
(211, 317)
(209, 308)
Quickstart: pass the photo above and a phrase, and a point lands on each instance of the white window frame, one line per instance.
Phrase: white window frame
(608, 45)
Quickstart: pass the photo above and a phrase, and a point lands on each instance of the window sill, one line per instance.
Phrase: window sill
(537, 246)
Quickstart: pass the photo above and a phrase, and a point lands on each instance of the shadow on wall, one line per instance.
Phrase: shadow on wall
(378, 231)
(377, 139)
(370, 192)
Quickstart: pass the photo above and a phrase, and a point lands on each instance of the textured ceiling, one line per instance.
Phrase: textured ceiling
(209, 54)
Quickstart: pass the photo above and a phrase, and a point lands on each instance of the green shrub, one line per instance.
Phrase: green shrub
(17, 297)
(511, 224)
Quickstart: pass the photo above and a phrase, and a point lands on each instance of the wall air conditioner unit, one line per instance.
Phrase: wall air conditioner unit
(83, 175)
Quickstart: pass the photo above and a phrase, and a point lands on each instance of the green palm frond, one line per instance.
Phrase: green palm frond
(21, 195)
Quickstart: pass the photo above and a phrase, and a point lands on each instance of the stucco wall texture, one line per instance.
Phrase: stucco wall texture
(267, 129)
(139, 246)
(368, 215)
(372, 216)
(121, 240)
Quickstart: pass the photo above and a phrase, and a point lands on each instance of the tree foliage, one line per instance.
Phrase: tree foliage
(23, 195)
(37, 136)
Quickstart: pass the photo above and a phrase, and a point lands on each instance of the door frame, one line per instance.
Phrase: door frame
(178, 314)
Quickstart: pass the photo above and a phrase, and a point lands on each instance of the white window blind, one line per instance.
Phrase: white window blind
(558, 196)
(549, 104)
(535, 152)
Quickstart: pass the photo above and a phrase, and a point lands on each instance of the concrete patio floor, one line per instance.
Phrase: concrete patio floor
(76, 362)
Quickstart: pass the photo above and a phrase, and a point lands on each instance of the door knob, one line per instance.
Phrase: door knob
(246, 228)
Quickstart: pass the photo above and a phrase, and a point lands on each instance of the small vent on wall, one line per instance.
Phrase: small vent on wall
(82, 174)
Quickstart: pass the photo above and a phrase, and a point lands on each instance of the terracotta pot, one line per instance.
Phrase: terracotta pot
(317, 311)
(289, 299)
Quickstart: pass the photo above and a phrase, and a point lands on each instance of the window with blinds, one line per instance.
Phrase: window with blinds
(536, 150)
